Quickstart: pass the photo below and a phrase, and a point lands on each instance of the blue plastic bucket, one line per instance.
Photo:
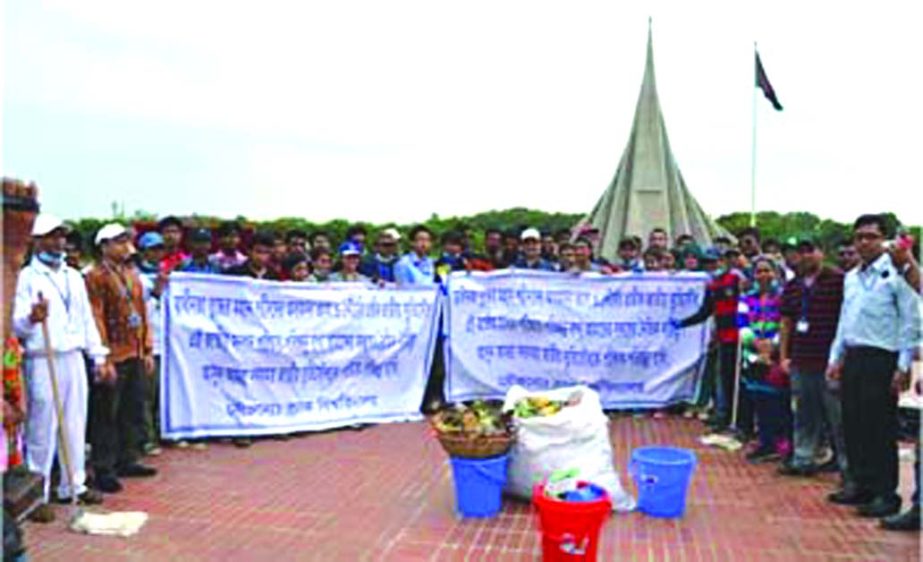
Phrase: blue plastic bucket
(662, 475)
(479, 485)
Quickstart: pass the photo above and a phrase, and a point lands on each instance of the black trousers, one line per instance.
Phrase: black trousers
(870, 424)
(727, 365)
(435, 384)
(116, 418)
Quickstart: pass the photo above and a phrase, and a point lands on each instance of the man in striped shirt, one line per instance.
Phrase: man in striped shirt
(810, 310)
(722, 296)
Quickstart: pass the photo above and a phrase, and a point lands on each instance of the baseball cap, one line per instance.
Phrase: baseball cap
(46, 223)
(349, 249)
(392, 233)
(150, 239)
(530, 233)
(200, 235)
(110, 232)
(711, 254)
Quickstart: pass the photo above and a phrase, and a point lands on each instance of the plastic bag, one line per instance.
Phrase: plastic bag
(575, 437)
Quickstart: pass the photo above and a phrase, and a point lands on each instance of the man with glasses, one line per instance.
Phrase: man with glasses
(878, 331)
(380, 267)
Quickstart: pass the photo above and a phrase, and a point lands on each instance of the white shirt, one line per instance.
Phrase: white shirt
(71, 325)
(880, 309)
(154, 311)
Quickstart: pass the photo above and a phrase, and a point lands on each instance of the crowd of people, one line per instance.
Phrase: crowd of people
(806, 363)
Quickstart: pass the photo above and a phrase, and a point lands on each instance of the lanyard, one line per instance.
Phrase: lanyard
(125, 285)
(806, 293)
(67, 284)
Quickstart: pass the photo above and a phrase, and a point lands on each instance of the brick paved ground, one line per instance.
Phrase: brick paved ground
(386, 494)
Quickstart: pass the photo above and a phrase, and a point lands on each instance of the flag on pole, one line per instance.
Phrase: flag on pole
(762, 82)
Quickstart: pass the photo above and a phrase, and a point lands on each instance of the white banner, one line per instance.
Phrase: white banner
(246, 357)
(545, 330)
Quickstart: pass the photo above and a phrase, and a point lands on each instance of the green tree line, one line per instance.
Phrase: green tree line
(780, 226)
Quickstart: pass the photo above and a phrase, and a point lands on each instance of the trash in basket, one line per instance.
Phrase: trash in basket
(570, 529)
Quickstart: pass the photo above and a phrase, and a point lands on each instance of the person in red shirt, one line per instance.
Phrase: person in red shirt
(722, 297)
(171, 229)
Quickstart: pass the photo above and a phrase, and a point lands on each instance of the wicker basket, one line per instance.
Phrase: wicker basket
(459, 445)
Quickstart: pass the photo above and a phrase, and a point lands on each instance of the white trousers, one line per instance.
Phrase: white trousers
(42, 422)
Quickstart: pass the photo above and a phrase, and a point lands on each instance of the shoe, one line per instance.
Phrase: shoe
(200, 446)
(743, 436)
(137, 470)
(182, 444)
(907, 521)
(850, 496)
(831, 466)
(791, 469)
(89, 497)
(108, 483)
(243, 442)
(882, 506)
(42, 514)
(283, 437)
(152, 450)
(359, 426)
(762, 454)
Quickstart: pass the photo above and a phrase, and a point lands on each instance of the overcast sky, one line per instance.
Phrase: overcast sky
(395, 110)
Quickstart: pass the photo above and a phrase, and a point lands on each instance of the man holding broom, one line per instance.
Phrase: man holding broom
(51, 292)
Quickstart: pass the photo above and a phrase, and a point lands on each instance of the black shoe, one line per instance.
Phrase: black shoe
(850, 496)
(830, 466)
(882, 506)
(762, 455)
(907, 521)
(243, 442)
(790, 469)
(90, 497)
(108, 483)
(137, 470)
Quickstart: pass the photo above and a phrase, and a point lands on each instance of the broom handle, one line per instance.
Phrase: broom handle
(736, 383)
(59, 408)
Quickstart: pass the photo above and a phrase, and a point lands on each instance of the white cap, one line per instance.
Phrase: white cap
(109, 232)
(530, 233)
(47, 223)
(392, 233)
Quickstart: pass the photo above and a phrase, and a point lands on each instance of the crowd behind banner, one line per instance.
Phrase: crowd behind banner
(805, 358)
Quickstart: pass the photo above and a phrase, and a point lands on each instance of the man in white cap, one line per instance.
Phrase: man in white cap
(51, 291)
(531, 257)
(380, 267)
(117, 397)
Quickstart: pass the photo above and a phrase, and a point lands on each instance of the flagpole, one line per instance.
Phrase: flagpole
(753, 149)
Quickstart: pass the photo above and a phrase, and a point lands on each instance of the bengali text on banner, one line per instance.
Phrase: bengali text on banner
(546, 330)
(245, 357)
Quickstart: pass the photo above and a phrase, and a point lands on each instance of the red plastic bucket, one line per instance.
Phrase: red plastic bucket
(570, 530)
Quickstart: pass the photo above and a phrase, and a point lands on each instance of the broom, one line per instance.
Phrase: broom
(123, 524)
(724, 441)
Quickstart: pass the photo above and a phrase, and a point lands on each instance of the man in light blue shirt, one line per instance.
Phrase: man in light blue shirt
(878, 330)
(416, 267)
